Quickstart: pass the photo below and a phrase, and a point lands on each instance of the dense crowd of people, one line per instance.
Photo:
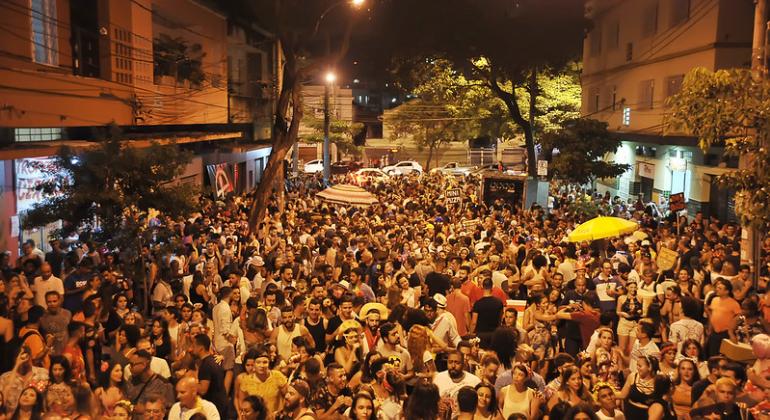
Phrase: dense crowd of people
(408, 309)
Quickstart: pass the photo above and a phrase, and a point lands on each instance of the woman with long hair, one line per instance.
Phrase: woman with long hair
(660, 400)
(253, 408)
(363, 407)
(418, 344)
(629, 310)
(364, 375)
(517, 398)
(30, 406)
(487, 408)
(161, 338)
(112, 387)
(687, 375)
(639, 388)
(692, 350)
(572, 390)
(246, 383)
(423, 402)
(668, 360)
(61, 382)
(349, 355)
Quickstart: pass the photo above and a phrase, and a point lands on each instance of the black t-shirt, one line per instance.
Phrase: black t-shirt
(437, 283)
(489, 310)
(210, 371)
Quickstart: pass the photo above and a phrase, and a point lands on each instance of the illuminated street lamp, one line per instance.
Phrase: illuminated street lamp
(330, 78)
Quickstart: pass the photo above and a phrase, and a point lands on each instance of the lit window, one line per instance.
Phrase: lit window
(627, 115)
(44, 32)
(37, 134)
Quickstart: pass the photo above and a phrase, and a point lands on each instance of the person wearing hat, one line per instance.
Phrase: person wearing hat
(444, 324)
(372, 313)
(296, 402)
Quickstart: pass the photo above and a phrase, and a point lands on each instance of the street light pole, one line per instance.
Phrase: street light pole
(330, 77)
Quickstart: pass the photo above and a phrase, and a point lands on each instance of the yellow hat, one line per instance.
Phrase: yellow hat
(373, 306)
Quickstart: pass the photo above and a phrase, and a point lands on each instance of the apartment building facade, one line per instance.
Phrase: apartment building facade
(634, 58)
(159, 69)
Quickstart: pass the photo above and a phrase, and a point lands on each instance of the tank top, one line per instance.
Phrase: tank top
(513, 403)
(318, 332)
(635, 311)
(283, 341)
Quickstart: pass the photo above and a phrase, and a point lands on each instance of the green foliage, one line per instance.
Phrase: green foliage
(557, 101)
(448, 108)
(582, 145)
(175, 57)
(341, 133)
(731, 108)
(106, 193)
(584, 210)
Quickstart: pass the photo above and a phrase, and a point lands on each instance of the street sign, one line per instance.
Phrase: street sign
(452, 196)
(676, 202)
(666, 259)
(542, 168)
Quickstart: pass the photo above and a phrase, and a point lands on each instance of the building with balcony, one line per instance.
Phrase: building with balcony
(162, 70)
(634, 58)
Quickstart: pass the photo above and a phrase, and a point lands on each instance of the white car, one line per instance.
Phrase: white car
(366, 176)
(403, 168)
(453, 168)
(314, 166)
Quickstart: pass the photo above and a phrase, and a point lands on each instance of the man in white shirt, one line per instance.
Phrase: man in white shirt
(45, 283)
(686, 328)
(223, 337)
(643, 345)
(451, 380)
(444, 323)
(157, 365)
(190, 403)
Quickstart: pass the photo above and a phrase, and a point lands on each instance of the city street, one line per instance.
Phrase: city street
(384, 209)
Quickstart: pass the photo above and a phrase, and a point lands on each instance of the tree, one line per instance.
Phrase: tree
(341, 133)
(579, 149)
(305, 32)
(729, 108)
(505, 44)
(109, 192)
(448, 108)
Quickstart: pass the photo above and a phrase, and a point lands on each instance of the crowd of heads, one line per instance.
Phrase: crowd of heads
(416, 307)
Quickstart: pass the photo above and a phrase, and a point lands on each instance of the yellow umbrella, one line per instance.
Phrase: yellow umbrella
(602, 227)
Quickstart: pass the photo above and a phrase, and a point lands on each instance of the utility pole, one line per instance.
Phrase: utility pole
(330, 77)
(751, 238)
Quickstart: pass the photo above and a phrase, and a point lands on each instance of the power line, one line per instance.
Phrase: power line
(153, 93)
(71, 26)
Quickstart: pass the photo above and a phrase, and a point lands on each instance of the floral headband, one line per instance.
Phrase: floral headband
(599, 386)
(125, 404)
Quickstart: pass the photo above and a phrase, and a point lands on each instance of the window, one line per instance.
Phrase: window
(43, 17)
(593, 100)
(646, 94)
(629, 51)
(613, 40)
(37, 134)
(626, 116)
(596, 41)
(680, 11)
(613, 97)
(674, 84)
(650, 21)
